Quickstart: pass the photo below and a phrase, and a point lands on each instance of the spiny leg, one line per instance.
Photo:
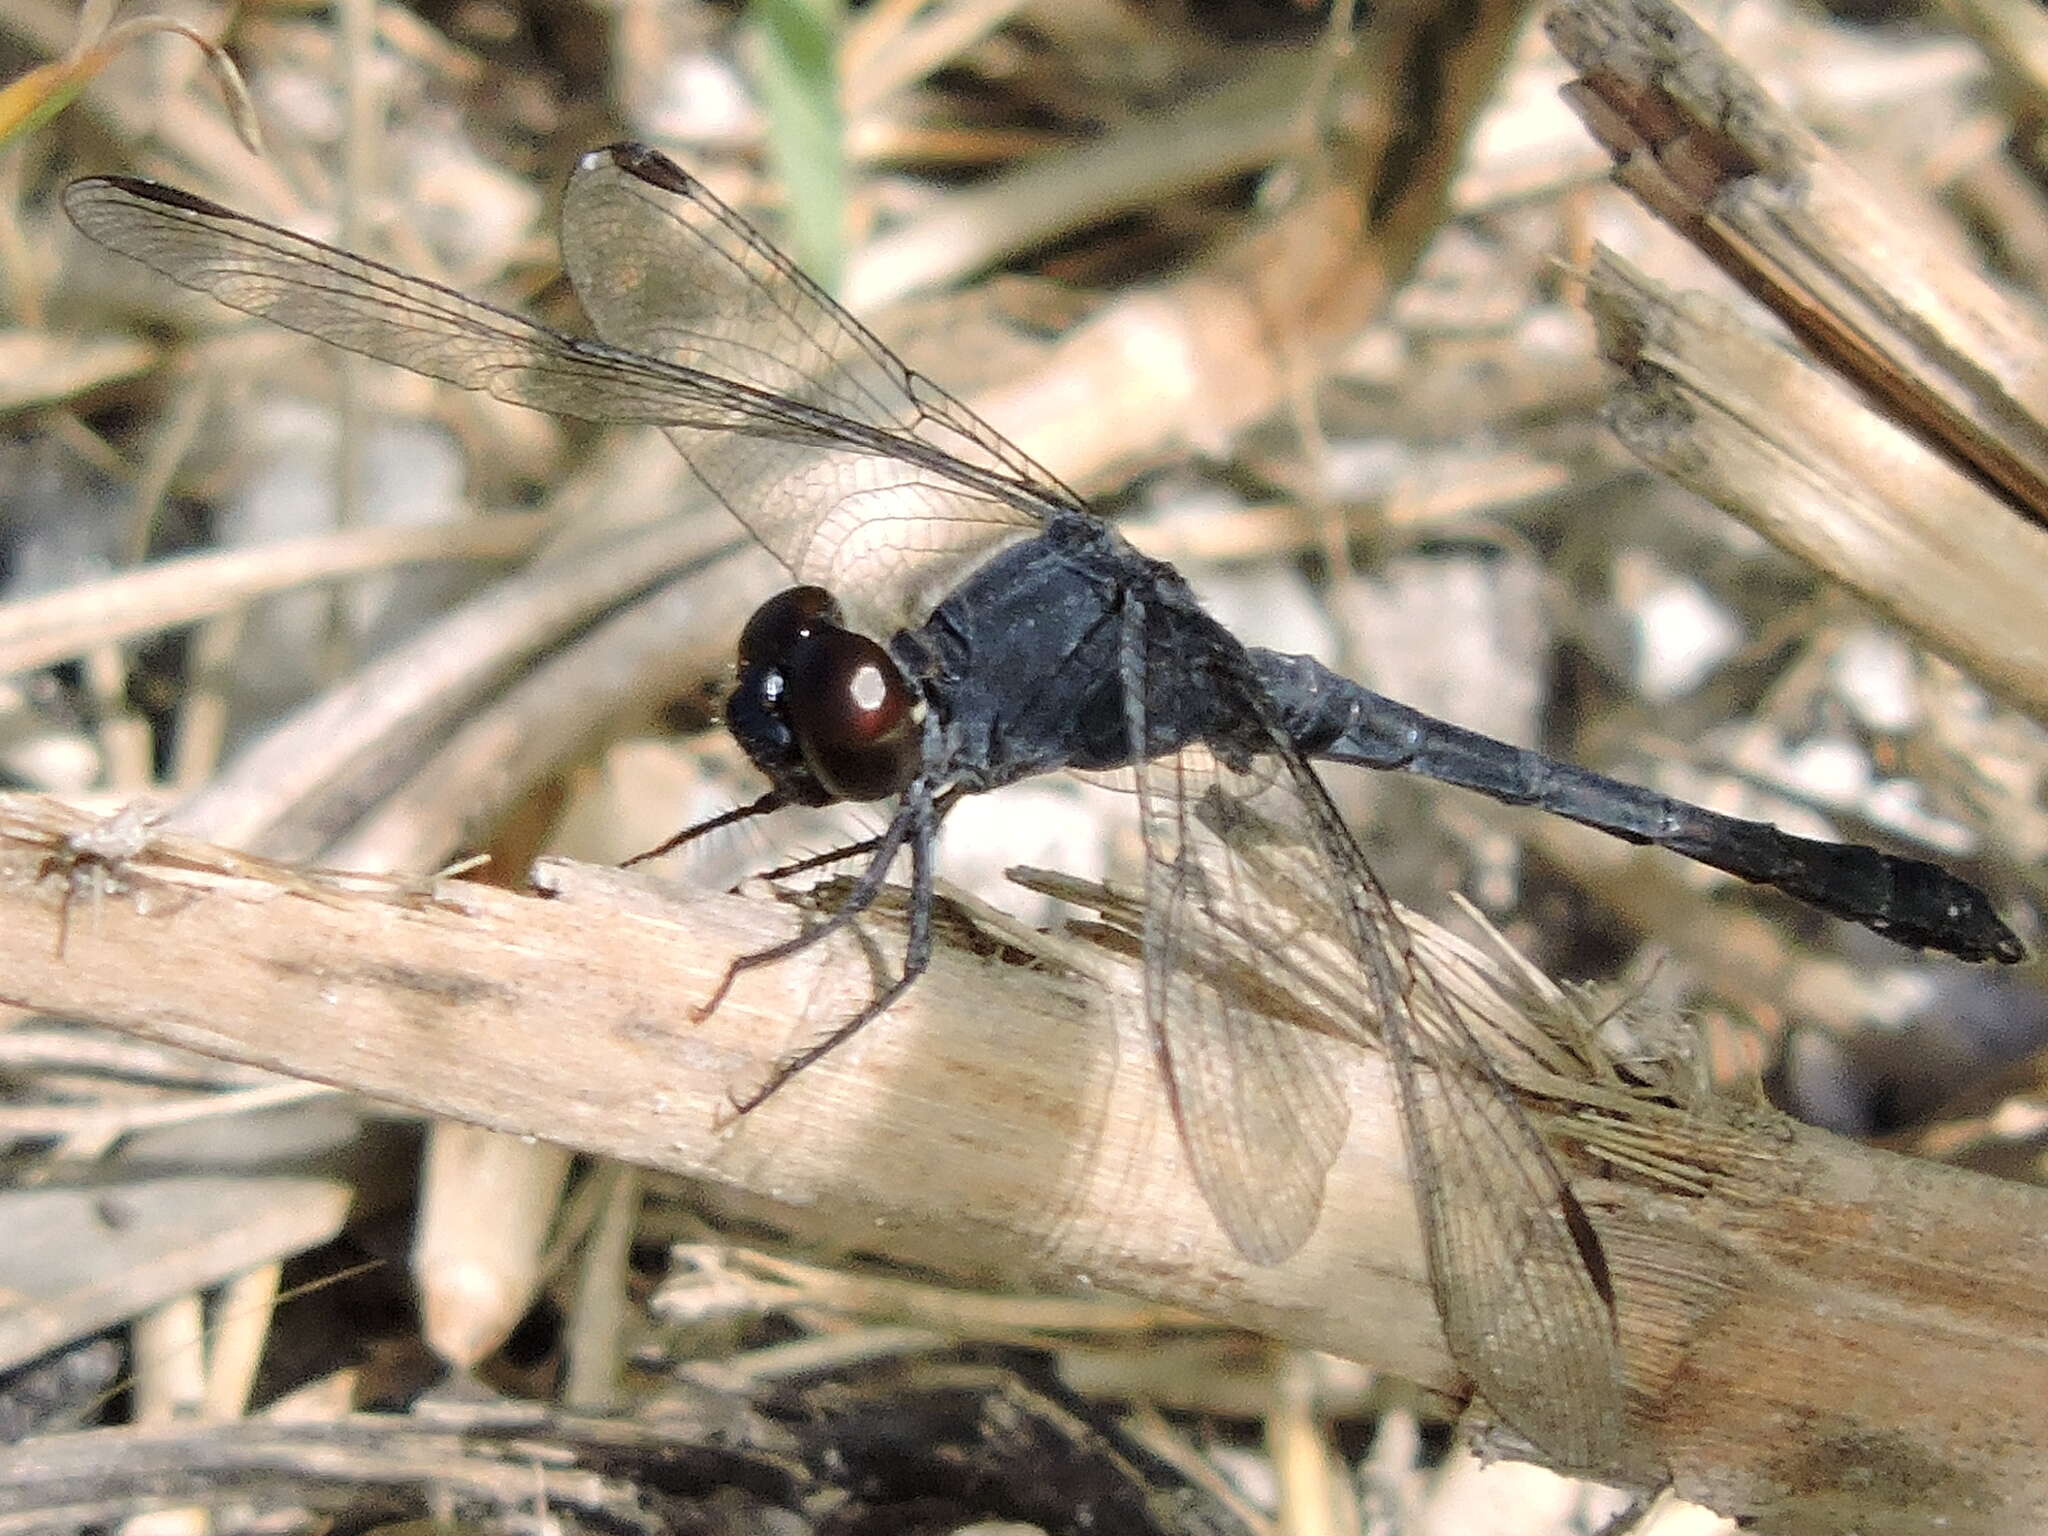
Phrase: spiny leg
(772, 801)
(918, 821)
(866, 845)
(857, 901)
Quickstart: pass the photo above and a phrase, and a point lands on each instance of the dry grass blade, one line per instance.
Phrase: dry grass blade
(41, 369)
(58, 626)
(80, 1260)
(2014, 34)
(32, 100)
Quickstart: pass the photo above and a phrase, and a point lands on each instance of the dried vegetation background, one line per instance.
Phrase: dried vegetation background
(1496, 436)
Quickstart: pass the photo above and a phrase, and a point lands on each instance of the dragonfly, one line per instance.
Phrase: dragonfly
(960, 621)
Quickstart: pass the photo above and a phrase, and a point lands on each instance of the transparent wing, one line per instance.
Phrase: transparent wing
(1266, 936)
(1255, 1093)
(858, 479)
(668, 271)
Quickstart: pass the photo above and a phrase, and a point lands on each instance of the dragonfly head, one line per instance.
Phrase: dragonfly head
(823, 711)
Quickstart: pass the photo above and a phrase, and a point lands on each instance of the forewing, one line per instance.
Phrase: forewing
(667, 270)
(870, 479)
(1267, 934)
(367, 307)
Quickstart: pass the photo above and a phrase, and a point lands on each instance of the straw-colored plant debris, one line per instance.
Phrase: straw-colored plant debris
(1661, 385)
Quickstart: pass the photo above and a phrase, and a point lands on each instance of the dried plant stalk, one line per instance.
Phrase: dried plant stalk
(1928, 337)
(1800, 1313)
(1791, 451)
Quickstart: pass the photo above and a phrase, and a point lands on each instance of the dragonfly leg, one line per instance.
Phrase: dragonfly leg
(772, 801)
(866, 845)
(858, 900)
(917, 822)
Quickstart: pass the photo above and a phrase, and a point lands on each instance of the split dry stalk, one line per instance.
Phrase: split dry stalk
(1816, 1332)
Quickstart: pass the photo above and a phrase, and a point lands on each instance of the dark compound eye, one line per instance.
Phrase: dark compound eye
(852, 713)
(772, 634)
